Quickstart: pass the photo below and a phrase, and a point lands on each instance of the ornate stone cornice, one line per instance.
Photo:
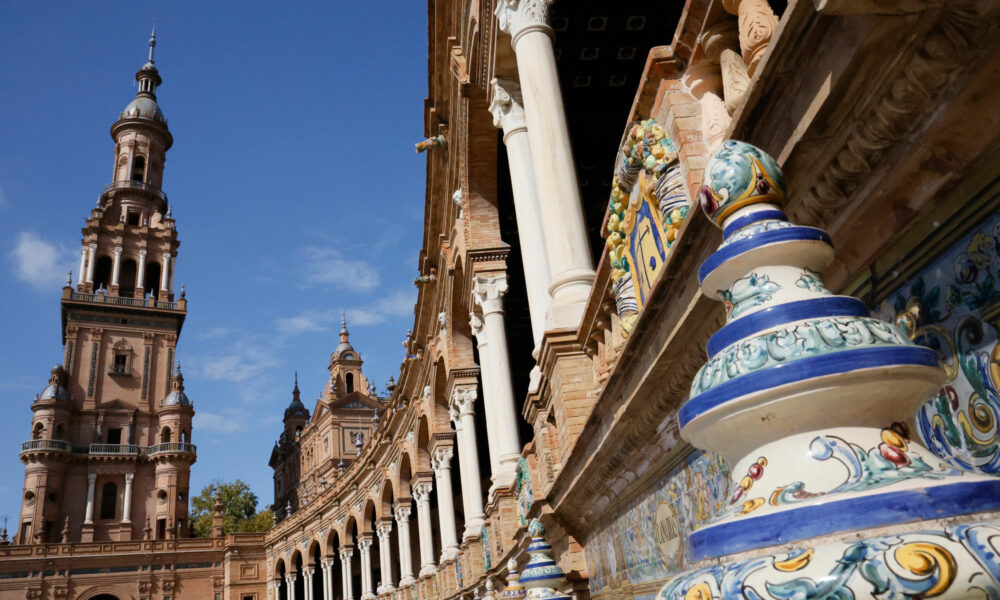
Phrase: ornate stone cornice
(517, 17)
(488, 292)
(507, 107)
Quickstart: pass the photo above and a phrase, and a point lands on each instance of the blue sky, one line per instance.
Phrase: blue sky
(292, 177)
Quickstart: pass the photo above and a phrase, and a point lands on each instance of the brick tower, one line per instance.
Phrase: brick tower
(110, 450)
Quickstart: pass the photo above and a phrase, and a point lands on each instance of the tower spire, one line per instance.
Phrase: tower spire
(152, 42)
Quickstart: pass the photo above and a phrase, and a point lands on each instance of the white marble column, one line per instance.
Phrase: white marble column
(365, 545)
(89, 515)
(276, 588)
(441, 463)
(405, 559)
(165, 276)
(463, 405)
(141, 271)
(91, 259)
(385, 557)
(127, 503)
(81, 275)
(477, 326)
(116, 267)
(501, 411)
(566, 244)
(307, 582)
(508, 114)
(290, 585)
(345, 573)
(422, 494)
(327, 570)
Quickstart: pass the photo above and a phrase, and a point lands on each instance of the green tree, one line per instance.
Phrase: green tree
(239, 509)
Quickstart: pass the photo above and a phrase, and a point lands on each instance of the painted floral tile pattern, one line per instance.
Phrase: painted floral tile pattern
(943, 307)
(648, 541)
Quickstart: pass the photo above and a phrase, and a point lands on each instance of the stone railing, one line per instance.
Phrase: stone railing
(57, 445)
(169, 447)
(136, 186)
(117, 449)
(124, 301)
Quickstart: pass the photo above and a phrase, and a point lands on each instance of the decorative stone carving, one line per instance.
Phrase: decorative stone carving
(714, 120)
(441, 459)
(488, 293)
(464, 399)
(757, 24)
(422, 492)
(516, 17)
(507, 106)
(476, 325)
(735, 79)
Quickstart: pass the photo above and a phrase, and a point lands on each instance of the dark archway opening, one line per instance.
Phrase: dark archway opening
(102, 273)
(151, 279)
(126, 278)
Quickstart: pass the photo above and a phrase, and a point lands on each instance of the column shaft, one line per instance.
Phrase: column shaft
(505, 413)
(141, 271)
(446, 503)
(405, 559)
(472, 495)
(345, 574)
(127, 503)
(81, 275)
(561, 207)
(487, 375)
(307, 583)
(366, 569)
(422, 494)
(89, 516)
(91, 259)
(385, 557)
(165, 276)
(116, 267)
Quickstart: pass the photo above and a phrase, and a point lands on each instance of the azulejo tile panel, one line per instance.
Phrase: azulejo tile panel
(647, 542)
(952, 306)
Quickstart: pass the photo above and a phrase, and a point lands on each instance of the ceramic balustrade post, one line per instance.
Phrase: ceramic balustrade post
(441, 464)
(561, 208)
(405, 558)
(501, 413)
(809, 399)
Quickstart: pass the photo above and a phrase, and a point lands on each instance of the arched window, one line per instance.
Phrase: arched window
(36, 433)
(151, 281)
(109, 500)
(126, 278)
(102, 272)
(59, 432)
(165, 435)
(349, 380)
(138, 168)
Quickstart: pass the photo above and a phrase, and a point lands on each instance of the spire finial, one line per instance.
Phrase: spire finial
(343, 321)
(152, 42)
(295, 390)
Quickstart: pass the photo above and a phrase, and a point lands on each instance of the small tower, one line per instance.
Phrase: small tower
(345, 366)
(173, 454)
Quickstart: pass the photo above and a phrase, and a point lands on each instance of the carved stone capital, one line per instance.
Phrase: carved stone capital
(507, 107)
(441, 461)
(488, 293)
(403, 514)
(517, 17)
(345, 555)
(464, 400)
(384, 529)
(364, 544)
(422, 492)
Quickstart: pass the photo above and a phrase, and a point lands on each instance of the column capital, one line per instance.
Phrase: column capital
(441, 459)
(403, 513)
(308, 571)
(346, 554)
(91, 477)
(384, 528)
(463, 400)
(488, 292)
(326, 562)
(517, 17)
(507, 106)
(365, 544)
(118, 250)
(456, 417)
(128, 477)
(422, 492)
(92, 246)
(291, 577)
(142, 252)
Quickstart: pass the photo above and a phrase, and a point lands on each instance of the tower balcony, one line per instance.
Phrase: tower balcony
(126, 301)
(45, 446)
(170, 448)
(143, 188)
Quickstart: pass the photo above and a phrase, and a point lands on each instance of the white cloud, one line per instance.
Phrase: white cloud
(229, 423)
(398, 304)
(217, 332)
(38, 262)
(247, 363)
(328, 266)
